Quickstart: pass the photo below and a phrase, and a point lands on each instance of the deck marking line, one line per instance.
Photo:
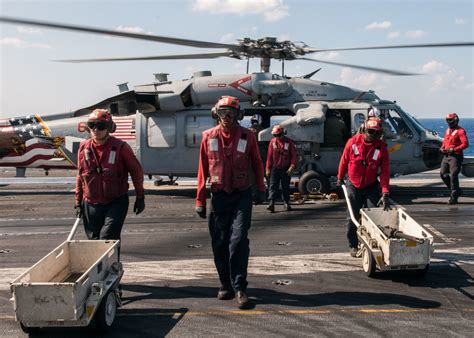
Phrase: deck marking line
(439, 234)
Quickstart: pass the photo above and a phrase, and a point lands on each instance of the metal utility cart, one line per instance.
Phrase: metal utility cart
(391, 240)
(70, 286)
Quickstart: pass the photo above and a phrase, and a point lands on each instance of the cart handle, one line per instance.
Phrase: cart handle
(74, 229)
(349, 206)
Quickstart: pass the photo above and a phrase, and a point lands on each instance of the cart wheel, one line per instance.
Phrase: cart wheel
(368, 262)
(106, 312)
(32, 331)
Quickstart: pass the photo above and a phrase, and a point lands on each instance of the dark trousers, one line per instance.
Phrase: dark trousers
(229, 223)
(449, 172)
(105, 221)
(360, 198)
(277, 177)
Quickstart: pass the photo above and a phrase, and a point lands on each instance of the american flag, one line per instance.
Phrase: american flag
(125, 127)
(29, 144)
(25, 128)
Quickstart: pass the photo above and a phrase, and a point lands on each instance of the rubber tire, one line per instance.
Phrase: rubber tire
(106, 312)
(368, 262)
(313, 179)
(32, 331)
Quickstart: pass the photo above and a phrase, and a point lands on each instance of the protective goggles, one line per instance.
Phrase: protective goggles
(226, 113)
(374, 132)
(99, 125)
(277, 135)
(450, 120)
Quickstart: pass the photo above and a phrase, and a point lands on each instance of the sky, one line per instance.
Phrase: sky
(32, 83)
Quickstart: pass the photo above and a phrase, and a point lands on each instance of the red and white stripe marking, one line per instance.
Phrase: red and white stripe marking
(37, 154)
(125, 127)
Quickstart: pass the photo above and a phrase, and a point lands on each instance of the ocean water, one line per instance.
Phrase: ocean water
(439, 125)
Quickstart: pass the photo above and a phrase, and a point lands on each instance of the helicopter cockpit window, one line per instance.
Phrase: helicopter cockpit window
(359, 119)
(161, 131)
(393, 125)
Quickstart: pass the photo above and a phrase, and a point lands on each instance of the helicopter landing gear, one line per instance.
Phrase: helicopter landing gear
(312, 182)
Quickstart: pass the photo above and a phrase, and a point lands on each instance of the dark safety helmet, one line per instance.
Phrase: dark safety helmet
(227, 103)
(452, 119)
(101, 119)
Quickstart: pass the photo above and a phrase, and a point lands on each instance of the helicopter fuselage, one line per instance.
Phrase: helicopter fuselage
(163, 121)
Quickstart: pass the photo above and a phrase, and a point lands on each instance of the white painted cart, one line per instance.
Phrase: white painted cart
(391, 240)
(73, 284)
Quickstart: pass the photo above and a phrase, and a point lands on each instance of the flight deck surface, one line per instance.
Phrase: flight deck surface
(302, 280)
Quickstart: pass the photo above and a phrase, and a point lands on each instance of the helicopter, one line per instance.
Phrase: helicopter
(163, 120)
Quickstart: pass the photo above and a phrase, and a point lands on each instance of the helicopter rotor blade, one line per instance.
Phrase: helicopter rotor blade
(148, 37)
(425, 45)
(372, 69)
(159, 57)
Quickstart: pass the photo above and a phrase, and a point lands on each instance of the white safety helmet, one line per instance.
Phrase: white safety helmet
(374, 112)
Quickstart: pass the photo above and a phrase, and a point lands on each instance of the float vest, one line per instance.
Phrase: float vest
(364, 162)
(452, 139)
(102, 177)
(233, 161)
(281, 153)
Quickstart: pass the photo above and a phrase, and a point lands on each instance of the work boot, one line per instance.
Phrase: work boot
(287, 206)
(271, 207)
(353, 252)
(242, 300)
(225, 293)
(453, 200)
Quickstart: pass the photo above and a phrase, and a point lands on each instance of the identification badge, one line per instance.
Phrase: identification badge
(376, 154)
(213, 144)
(242, 145)
(355, 150)
(287, 145)
(112, 157)
(214, 179)
(87, 154)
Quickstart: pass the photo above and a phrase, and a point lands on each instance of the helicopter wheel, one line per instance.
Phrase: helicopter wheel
(313, 182)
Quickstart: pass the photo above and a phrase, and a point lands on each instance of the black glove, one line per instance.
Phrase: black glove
(139, 205)
(79, 210)
(385, 201)
(201, 211)
(339, 182)
(451, 151)
(260, 197)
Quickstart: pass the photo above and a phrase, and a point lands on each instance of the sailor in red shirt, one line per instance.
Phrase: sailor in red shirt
(455, 141)
(364, 157)
(281, 161)
(103, 165)
(228, 153)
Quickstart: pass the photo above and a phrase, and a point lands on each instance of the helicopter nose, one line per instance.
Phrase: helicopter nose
(23, 140)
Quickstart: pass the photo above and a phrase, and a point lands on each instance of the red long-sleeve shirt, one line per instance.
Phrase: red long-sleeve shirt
(128, 164)
(455, 138)
(203, 170)
(284, 157)
(362, 165)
